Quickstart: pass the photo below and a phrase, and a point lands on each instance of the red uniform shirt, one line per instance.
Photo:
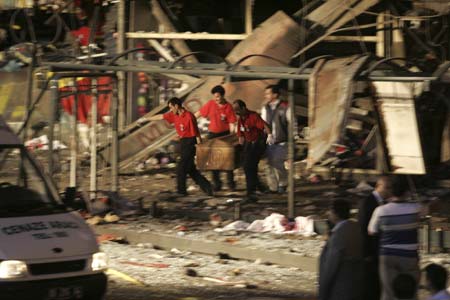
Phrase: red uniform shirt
(219, 115)
(251, 126)
(185, 123)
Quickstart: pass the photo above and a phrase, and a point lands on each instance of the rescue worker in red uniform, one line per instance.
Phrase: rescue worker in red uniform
(222, 121)
(186, 127)
(252, 132)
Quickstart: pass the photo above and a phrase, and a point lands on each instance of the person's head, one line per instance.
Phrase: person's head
(218, 93)
(339, 210)
(175, 105)
(404, 286)
(384, 187)
(272, 92)
(240, 108)
(436, 277)
(399, 184)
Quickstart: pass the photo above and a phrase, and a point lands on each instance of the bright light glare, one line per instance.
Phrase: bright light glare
(13, 269)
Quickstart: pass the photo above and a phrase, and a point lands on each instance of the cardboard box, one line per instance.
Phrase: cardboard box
(221, 153)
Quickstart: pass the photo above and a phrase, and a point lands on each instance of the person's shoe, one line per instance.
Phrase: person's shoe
(263, 188)
(282, 189)
(208, 190)
(250, 198)
(180, 194)
(217, 187)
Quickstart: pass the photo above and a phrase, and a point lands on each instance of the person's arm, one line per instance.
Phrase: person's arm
(268, 131)
(144, 120)
(232, 127)
(239, 133)
(197, 131)
(372, 229)
(264, 113)
(232, 119)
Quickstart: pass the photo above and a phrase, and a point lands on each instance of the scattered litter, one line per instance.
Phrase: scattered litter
(274, 223)
(175, 251)
(191, 273)
(215, 220)
(231, 240)
(150, 265)
(314, 178)
(41, 143)
(180, 228)
(94, 220)
(192, 265)
(225, 256)
(112, 238)
(146, 246)
(111, 218)
(224, 282)
(124, 276)
(192, 188)
(237, 225)
(236, 272)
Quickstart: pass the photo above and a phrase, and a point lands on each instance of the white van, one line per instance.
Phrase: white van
(46, 251)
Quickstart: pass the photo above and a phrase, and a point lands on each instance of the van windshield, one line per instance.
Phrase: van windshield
(24, 189)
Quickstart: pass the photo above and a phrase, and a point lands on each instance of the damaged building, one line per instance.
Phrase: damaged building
(367, 80)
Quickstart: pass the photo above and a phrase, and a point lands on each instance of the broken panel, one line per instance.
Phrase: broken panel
(331, 88)
(396, 108)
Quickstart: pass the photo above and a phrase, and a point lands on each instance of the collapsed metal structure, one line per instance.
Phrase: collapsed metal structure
(261, 58)
(256, 72)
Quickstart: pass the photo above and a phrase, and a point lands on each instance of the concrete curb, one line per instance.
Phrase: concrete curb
(164, 241)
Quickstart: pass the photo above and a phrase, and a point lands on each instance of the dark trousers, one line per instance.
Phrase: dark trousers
(216, 174)
(252, 153)
(371, 282)
(186, 166)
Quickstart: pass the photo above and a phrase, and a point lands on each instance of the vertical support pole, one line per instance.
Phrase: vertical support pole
(248, 17)
(237, 211)
(30, 81)
(120, 49)
(129, 91)
(54, 106)
(380, 49)
(93, 138)
(291, 150)
(398, 42)
(388, 36)
(74, 139)
(114, 140)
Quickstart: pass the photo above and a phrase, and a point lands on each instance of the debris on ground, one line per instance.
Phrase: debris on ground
(274, 223)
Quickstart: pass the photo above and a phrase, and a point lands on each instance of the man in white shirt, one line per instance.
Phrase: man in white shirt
(276, 114)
